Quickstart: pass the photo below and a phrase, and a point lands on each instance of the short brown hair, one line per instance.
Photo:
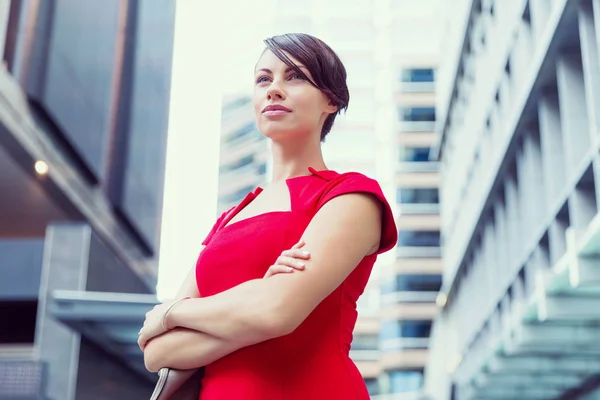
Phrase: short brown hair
(326, 68)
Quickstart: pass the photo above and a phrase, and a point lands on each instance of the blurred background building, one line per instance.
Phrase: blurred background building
(84, 100)
(518, 117)
(243, 152)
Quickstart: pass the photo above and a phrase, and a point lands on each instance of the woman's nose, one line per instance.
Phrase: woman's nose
(275, 92)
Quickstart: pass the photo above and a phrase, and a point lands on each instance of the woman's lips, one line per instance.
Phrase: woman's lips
(275, 113)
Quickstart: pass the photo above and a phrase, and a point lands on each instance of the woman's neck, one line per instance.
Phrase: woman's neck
(292, 161)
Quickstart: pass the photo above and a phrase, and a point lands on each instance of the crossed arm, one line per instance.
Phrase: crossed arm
(340, 235)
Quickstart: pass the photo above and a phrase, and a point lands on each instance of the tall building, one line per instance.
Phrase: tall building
(518, 122)
(84, 99)
(243, 152)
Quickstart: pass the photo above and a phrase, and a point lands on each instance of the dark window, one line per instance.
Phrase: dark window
(417, 114)
(417, 75)
(419, 238)
(418, 196)
(242, 162)
(262, 169)
(412, 283)
(372, 386)
(412, 154)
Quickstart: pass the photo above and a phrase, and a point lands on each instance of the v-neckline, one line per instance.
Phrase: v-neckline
(325, 174)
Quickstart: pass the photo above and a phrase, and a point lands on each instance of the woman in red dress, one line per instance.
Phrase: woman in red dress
(262, 334)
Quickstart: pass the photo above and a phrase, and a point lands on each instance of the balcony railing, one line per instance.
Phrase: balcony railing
(420, 251)
(416, 126)
(418, 166)
(365, 355)
(419, 208)
(404, 343)
(408, 297)
(416, 86)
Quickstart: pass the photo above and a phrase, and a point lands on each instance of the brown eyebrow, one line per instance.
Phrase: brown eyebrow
(288, 69)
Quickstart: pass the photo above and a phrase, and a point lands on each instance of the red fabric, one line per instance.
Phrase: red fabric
(312, 362)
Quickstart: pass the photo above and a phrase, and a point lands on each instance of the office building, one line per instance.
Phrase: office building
(84, 99)
(518, 124)
(243, 152)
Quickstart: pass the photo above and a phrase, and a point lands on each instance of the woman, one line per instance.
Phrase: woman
(287, 336)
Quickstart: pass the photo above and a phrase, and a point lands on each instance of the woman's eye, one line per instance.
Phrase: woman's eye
(297, 76)
(261, 79)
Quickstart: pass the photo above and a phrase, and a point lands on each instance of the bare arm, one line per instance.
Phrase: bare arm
(183, 348)
(340, 235)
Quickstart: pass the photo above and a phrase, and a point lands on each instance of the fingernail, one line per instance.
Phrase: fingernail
(305, 253)
(298, 263)
(290, 269)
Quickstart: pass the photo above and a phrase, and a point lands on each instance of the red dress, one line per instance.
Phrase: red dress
(312, 362)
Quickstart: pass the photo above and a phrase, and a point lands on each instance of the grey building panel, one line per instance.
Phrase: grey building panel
(105, 265)
(20, 268)
(573, 109)
(64, 267)
(107, 359)
(75, 68)
(140, 197)
(591, 62)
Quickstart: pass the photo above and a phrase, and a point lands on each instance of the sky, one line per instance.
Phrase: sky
(214, 53)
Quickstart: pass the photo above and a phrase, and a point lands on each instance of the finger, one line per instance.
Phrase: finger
(278, 269)
(289, 262)
(296, 253)
(299, 244)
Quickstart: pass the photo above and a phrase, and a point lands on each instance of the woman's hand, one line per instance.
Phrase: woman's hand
(289, 260)
(153, 326)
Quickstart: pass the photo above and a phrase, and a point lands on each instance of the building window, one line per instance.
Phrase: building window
(247, 129)
(372, 386)
(417, 75)
(365, 342)
(419, 238)
(411, 329)
(418, 196)
(417, 114)
(242, 162)
(237, 196)
(414, 154)
(406, 381)
(412, 283)
(262, 168)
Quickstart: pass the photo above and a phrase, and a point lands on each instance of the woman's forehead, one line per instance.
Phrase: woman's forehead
(269, 60)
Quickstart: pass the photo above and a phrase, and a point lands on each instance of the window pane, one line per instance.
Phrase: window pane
(406, 381)
(242, 162)
(414, 154)
(365, 342)
(418, 196)
(412, 283)
(419, 238)
(372, 386)
(420, 114)
(417, 75)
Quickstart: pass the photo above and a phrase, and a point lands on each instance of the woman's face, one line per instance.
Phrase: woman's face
(285, 104)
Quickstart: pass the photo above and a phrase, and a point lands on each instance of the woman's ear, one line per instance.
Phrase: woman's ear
(331, 108)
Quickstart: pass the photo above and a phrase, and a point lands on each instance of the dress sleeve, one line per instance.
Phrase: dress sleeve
(216, 227)
(358, 183)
